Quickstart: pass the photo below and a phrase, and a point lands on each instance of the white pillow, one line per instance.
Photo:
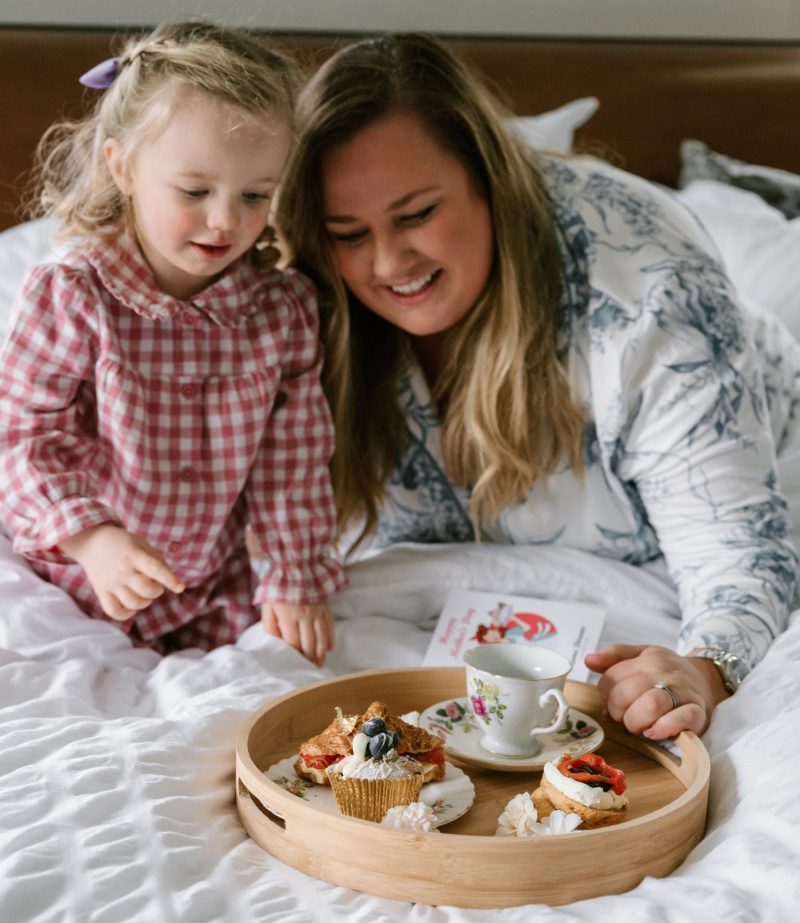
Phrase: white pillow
(554, 130)
(760, 247)
(21, 248)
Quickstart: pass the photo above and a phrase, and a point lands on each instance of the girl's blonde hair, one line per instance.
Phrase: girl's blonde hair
(508, 417)
(156, 72)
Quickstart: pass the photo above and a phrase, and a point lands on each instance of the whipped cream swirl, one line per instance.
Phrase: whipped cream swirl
(353, 767)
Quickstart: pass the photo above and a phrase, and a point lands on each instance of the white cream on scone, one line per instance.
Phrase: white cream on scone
(592, 796)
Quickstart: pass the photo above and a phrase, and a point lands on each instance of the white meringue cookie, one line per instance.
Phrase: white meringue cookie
(414, 816)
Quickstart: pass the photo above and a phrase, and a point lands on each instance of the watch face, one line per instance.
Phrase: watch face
(735, 668)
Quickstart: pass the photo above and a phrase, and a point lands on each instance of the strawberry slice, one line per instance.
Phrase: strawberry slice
(320, 762)
(592, 770)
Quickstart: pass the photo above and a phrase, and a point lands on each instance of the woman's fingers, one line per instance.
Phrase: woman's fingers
(653, 714)
(612, 654)
(637, 701)
(689, 717)
(652, 690)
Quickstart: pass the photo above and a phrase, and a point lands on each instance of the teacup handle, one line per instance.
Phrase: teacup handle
(558, 695)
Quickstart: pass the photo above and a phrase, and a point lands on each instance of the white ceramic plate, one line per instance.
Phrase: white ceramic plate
(455, 721)
(448, 799)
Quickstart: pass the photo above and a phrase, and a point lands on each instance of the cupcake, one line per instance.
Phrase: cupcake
(374, 778)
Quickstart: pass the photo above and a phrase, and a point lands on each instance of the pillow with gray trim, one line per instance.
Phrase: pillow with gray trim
(778, 188)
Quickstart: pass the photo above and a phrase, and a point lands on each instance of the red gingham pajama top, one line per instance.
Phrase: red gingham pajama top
(182, 422)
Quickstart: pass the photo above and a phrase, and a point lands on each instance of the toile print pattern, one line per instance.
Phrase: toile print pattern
(676, 397)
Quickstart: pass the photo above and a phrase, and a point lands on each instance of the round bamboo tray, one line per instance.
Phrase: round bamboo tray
(464, 864)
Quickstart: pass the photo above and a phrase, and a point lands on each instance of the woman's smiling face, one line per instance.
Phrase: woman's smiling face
(411, 235)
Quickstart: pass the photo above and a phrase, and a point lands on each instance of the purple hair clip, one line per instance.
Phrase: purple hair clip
(102, 75)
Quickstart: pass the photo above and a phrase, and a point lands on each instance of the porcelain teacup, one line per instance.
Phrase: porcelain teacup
(516, 691)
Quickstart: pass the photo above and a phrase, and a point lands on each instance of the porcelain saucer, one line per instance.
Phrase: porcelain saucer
(455, 721)
(448, 799)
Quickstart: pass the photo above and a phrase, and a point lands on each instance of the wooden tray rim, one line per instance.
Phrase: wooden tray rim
(461, 869)
(690, 745)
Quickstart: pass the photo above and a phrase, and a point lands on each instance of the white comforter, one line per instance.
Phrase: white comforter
(117, 765)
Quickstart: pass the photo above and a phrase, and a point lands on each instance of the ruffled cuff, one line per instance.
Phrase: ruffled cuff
(299, 584)
(39, 541)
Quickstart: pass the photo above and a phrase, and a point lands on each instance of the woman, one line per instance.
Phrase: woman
(532, 350)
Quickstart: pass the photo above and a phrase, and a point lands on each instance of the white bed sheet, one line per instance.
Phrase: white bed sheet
(117, 765)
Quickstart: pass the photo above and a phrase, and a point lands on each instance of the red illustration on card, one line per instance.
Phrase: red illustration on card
(508, 625)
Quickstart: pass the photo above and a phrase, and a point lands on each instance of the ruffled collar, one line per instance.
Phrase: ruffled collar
(122, 269)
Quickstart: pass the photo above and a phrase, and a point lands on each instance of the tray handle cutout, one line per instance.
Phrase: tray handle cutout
(247, 798)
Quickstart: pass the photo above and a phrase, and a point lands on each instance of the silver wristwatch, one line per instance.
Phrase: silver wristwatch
(730, 667)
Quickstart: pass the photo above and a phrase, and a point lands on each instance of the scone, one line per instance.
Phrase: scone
(583, 785)
(330, 746)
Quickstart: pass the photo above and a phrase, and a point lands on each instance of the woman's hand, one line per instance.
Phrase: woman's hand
(309, 629)
(125, 571)
(628, 686)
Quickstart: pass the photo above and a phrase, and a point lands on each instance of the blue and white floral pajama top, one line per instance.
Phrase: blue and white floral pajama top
(686, 400)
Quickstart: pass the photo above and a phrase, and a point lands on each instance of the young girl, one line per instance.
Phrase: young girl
(159, 389)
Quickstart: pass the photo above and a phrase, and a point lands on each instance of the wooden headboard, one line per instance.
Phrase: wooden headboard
(740, 99)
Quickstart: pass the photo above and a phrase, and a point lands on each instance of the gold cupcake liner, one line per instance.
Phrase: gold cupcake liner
(370, 799)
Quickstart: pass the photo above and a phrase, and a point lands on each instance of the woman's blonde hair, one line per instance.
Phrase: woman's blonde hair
(508, 418)
(155, 74)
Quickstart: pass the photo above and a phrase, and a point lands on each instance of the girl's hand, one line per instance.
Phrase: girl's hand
(125, 572)
(628, 686)
(309, 629)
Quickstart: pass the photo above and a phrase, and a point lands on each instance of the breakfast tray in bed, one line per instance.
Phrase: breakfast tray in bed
(464, 864)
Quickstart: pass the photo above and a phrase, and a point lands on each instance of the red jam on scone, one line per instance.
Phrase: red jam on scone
(584, 785)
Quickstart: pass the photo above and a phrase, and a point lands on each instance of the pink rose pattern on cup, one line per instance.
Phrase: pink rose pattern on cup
(486, 701)
(478, 706)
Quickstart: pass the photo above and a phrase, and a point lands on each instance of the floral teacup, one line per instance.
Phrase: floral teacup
(516, 691)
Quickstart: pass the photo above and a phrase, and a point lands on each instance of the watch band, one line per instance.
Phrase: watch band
(730, 667)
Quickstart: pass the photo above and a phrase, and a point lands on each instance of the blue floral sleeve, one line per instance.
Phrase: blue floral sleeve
(684, 407)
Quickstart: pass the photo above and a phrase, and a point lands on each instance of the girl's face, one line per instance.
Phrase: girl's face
(200, 191)
(411, 235)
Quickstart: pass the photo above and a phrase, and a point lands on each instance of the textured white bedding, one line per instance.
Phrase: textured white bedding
(117, 765)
